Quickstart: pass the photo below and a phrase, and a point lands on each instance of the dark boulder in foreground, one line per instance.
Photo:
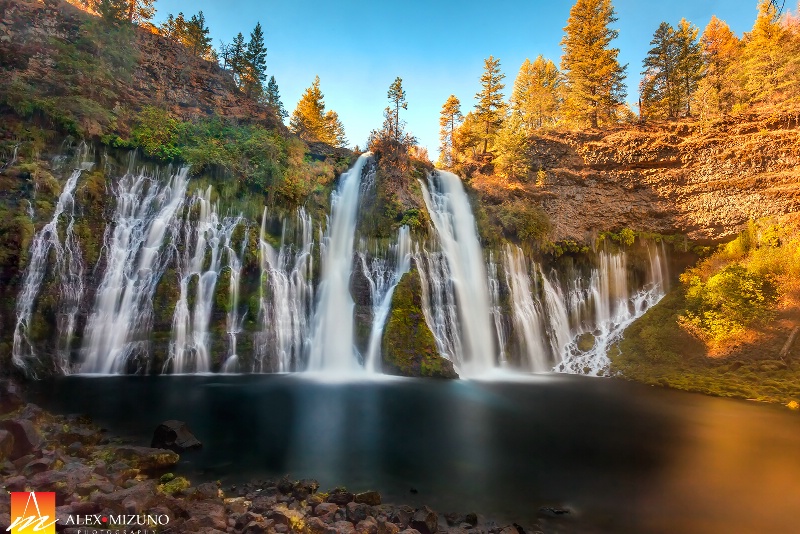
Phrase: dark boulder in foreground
(409, 348)
(175, 436)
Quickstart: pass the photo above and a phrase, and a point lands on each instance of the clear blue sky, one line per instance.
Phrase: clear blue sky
(437, 47)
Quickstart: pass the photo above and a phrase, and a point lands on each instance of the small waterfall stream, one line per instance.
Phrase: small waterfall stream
(189, 350)
(68, 271)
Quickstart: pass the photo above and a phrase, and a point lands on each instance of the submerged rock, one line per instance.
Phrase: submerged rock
(147, 459)
(409, 348)
(175, 436)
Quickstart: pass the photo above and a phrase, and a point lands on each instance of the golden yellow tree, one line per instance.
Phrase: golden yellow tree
(720, 49)
(537, 93)
(594, 86)
(449, 120)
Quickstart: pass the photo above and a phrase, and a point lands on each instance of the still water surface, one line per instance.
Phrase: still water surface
(622, 457)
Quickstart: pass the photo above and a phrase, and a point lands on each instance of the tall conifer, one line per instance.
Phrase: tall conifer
(594, 77)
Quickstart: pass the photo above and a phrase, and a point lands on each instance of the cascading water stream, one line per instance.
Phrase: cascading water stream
(68, 270)
(497, 312)
(382, 289)
(287, 297)
(526, 314)
(332, 347)
(189, 349)
(146, 208)
(451, 214)
(233, 320)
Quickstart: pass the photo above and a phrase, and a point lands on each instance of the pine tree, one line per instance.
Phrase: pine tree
(689, 67)
(720, 49)
(660, 88)
(536, 94)
(334, 129)
(273, 97)
(594, 78)
(238, 62)
(256, 59)
(511, 143)
(397, 96)
(308, 119)
(468, 136)
(449, 120)
(765, 55)
(489, 108)
(197, 39)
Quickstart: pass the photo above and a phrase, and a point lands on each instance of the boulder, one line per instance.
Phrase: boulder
(356, 512)
(315, 525)
(409, 348)
(371, 498)
(175, 436)
(425, 521)
(344, 527)
(26, 437)
(387, 527)
(340, 497)
(367, 526)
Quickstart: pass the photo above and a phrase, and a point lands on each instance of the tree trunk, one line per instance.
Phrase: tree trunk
(131, 9)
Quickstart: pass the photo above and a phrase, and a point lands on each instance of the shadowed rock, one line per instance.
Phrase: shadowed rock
(175, 436)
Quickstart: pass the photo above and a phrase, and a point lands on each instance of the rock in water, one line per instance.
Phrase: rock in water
(409, 348)
(175, 436)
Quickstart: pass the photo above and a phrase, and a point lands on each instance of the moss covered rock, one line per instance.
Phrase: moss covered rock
(409, 348)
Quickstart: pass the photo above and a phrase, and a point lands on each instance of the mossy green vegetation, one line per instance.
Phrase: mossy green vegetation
(722, 329)
(409, 348)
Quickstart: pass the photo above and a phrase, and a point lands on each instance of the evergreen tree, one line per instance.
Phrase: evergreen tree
(273, 97)
(511, 143)
(660, 88)
(689, 68)
(489, 108)
(720, 49)
(238, 61)
(334, 130)
(449, 120)
(594, 77)
(256, 62)
(397, 96)
(468, 137)
(765, 56)
(197, 39)
(308, 119)
(536, 94)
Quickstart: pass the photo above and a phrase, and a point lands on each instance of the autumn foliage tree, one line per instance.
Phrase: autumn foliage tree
(720, 51)
(449, 120)
(311, 122)
(594, 88)
(537, 94)
(490, 107)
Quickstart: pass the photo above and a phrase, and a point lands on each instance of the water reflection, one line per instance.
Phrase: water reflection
(623, 457)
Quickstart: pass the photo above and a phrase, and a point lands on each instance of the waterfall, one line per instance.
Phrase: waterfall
(439, 302)
(527, 316)
(615, 307)
(287, 297)
(68, 271)
(189, 349)
(119, 326)
(558, 318)
(497, 312)
(233, 321)
(382, 285)
(451, 214)
(332, 346)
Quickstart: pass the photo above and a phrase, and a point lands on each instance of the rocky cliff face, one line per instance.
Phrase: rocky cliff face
(165, 74)
(703, 180)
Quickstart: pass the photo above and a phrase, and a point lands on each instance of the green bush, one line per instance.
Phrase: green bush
(526, 221)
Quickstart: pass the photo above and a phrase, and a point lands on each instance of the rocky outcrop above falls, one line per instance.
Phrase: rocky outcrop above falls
(40, 40)
(701, 179)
